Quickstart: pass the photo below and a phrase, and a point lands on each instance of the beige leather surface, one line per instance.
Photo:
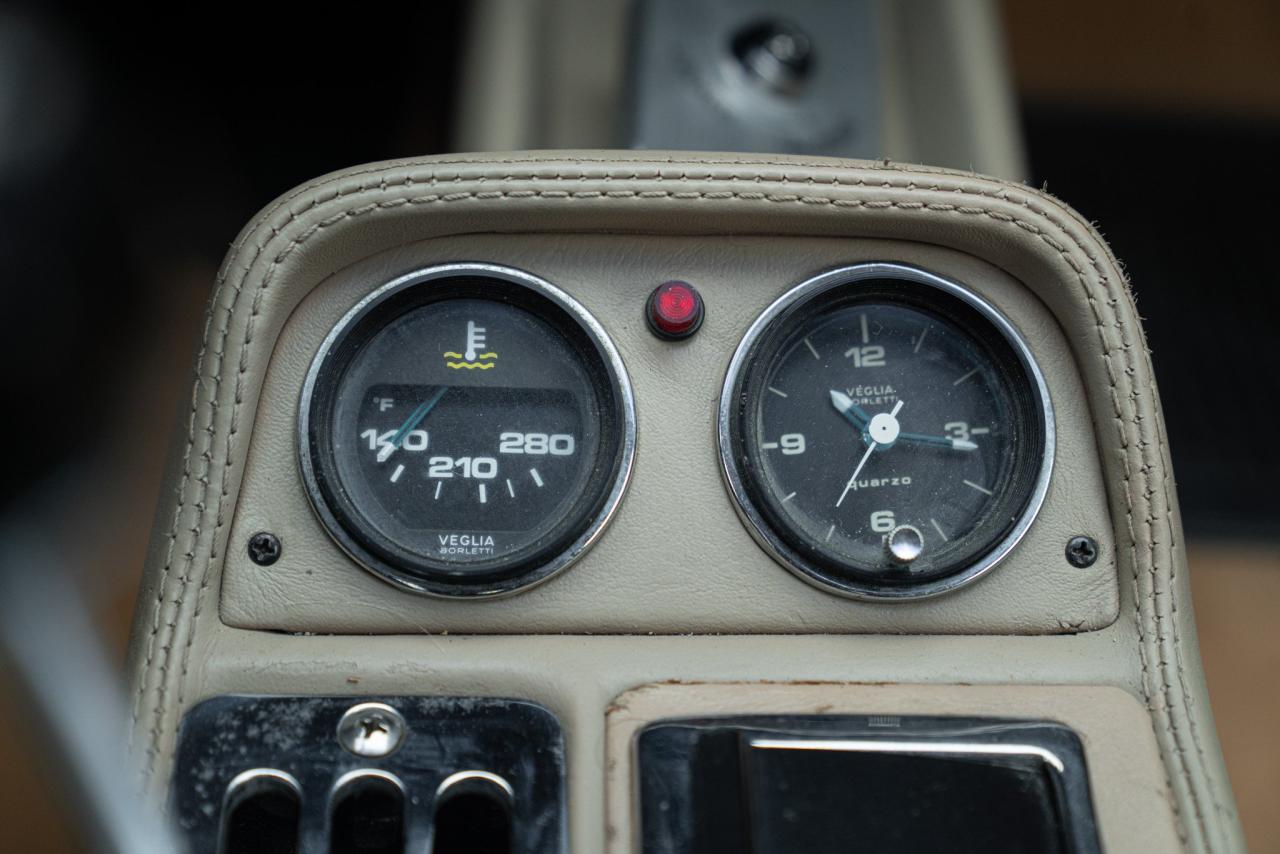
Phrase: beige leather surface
(181, 651)
(677, 558)
(1132, 805)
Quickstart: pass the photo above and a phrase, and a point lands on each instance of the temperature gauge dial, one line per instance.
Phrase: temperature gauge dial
(466, 430)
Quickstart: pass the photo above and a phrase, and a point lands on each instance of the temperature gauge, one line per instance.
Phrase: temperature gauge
(466, 430)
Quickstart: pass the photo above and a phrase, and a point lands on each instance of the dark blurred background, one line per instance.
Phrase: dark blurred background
(135, 144)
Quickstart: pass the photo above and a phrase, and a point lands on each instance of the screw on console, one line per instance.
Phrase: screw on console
(1082, 551)
(372, 730)
(264, 548)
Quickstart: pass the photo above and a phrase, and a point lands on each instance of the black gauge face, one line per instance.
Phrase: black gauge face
(465, 431)
(888, 433)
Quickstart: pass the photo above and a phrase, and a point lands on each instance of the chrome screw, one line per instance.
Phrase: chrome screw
(371, 729)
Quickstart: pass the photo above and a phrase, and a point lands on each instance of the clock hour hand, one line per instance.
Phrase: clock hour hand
(853, 413)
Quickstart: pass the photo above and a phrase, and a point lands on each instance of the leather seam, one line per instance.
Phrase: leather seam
(1003, 194)
(182, 503)
(1000, 191)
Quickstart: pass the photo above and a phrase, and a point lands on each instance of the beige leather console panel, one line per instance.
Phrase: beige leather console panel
(677, 558)
(607, 227)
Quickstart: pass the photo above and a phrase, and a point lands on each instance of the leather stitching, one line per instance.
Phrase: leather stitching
(172, 537)
(1002, 193)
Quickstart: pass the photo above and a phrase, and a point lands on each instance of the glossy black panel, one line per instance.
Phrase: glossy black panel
(774, 785)
(360, 803)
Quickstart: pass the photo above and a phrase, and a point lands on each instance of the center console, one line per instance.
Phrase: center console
(590, 501)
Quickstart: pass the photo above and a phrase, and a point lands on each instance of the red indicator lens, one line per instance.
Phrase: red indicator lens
(675, 310)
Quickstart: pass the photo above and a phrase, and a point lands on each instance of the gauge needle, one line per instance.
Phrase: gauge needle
(886, 424)
(409, 425)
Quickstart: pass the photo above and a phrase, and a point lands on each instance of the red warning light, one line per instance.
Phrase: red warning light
(674, 310)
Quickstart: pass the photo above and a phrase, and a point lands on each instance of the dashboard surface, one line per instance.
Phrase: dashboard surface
(676, 557)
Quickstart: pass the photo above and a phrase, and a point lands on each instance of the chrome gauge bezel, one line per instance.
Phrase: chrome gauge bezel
(751, 515)
(491, 587)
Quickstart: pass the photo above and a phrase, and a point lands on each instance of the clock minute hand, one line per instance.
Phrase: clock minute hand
(942, 441)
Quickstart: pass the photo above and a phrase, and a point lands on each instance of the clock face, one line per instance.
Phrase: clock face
(886, 432)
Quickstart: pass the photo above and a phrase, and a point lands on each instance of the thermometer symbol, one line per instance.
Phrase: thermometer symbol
(475, 340)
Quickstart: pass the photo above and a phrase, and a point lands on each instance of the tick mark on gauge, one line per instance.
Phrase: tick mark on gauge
(965, 377)
(484, 494)
(537, 478)
(439, 486)
(830, 531)
(788, 498)
(862, 319)
(768, 446)
(923, 332)
(511, 490)
(395, 475)
(938, 528)
(981, 489)
(811, 350)
(778, 393)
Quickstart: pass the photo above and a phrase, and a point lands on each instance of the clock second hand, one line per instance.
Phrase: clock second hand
(870, 448)
(893, 418)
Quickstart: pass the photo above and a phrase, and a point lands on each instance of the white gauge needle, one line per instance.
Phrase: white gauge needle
(882, 429)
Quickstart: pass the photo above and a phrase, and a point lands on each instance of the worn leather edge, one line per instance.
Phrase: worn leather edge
(1039, 241)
